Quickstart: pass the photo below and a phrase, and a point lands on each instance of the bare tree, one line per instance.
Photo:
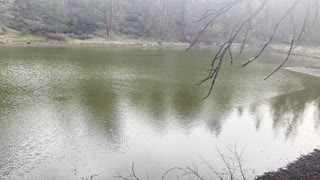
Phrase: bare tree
(233, 168)
(254, 9)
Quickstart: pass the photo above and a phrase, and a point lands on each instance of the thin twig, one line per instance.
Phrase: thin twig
(215, 172)
(173, 169)
(227, 164)
(133, 172)
(272, 35)
(220, 13)
(287, 58)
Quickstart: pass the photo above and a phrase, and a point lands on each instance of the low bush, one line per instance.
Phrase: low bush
(57, 36)
(86, 36)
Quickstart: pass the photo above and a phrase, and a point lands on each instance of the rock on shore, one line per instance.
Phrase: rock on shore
(305, 168)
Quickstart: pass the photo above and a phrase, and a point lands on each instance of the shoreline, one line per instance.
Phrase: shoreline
(35, 41)
(305, 51)
(13, 39)
(306, 167)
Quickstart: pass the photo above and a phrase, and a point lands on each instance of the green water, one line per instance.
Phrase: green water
(69, 113)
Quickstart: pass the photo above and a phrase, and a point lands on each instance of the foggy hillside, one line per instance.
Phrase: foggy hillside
(166, 20)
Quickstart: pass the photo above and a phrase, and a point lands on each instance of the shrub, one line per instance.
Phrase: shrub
(57, 36)
(86, 36)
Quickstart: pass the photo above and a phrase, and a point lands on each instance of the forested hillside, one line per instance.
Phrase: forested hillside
(159, 19)
(166, 20)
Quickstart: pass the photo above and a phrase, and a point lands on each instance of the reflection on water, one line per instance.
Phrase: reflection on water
(68, 113)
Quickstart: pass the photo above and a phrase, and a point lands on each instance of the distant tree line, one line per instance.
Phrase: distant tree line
(160, 19)
(174, 20)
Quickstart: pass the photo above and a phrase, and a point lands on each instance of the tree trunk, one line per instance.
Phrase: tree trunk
(110, 18)
(185, 21)
(164, 19)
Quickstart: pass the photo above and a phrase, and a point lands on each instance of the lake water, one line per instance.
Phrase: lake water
(69, 113)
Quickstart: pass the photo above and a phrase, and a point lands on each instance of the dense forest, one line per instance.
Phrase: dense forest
(167, 20)
(160, 19)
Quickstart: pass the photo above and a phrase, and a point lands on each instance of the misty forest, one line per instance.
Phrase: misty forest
(165, 20)
(159, 89)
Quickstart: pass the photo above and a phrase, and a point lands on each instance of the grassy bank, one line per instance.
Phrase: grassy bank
(15, 38)
(12, 37)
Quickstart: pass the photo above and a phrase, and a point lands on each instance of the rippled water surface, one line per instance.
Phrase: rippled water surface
(69, 113)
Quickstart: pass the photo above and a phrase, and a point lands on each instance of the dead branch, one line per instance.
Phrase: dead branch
(195, 172)
(215, 172)
(238, 158)
(133, 172)
(147, 175)
(222, 7)
(132, 175)
(230, 169)
(233, 163)
(220, 56)
(244, 41)
(289, 52)
(173, 169)
(272, 35)
(123, 178)
(304, 22)
(217, 15)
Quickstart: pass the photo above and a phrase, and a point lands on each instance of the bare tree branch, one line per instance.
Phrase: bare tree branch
(217, 15)
(227, 164)
(213, 74)
(195, 172)
(133, 172)
(223, 7)
(304, 22)
(289, 52)
(215, 172)
(272, 35)
(147, 175)
(239, 159)
(173, 169)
